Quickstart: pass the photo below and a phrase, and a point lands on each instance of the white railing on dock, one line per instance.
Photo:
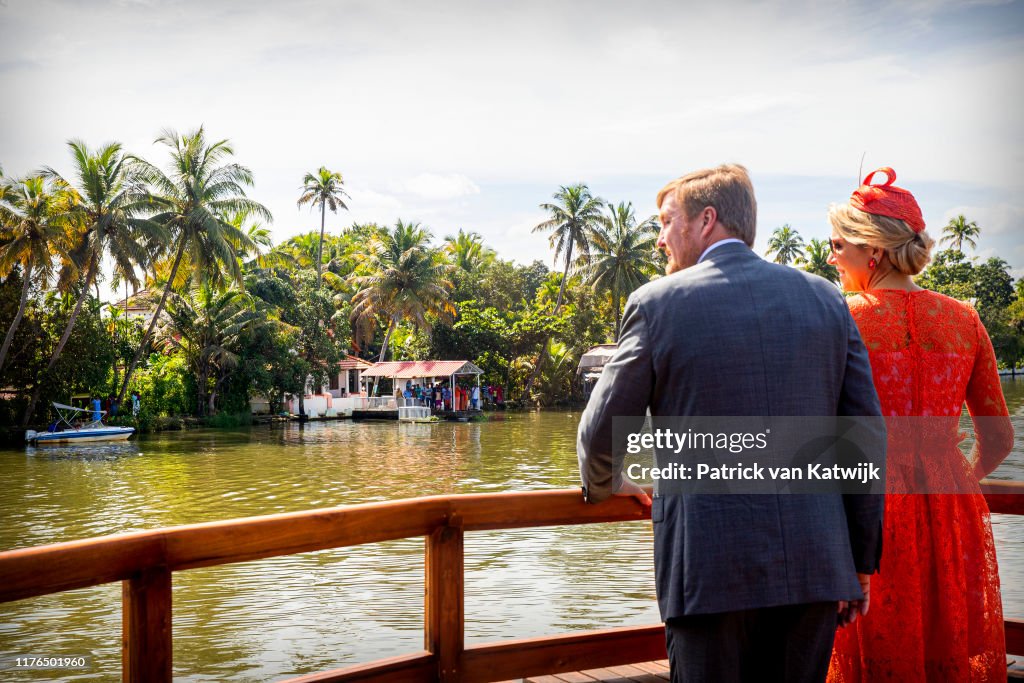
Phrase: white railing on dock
(411, 412)
(375, 403)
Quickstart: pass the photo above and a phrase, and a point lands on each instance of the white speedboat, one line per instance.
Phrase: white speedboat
(66, 430)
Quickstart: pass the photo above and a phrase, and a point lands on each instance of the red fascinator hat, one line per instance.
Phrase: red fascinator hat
(888, 200)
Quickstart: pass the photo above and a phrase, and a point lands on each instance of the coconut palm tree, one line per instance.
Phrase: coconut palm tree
(622, 255)
(407, 280)
(573, 217)
(206, 325)
(324, 188)
(35, 226)
(195, 194)
(572, 220)
(815, 260)
(960, 230)
(108, 205)
(787, 245)
(467, 251)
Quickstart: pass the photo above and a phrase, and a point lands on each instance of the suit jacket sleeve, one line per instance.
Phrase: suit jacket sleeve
(624, 389)
(858, 398)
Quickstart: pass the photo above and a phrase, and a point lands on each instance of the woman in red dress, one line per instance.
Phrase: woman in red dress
(935, 608)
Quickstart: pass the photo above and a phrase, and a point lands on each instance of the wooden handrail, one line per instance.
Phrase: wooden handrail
(145, 561)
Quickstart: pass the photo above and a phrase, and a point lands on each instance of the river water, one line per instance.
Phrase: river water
(286, 616)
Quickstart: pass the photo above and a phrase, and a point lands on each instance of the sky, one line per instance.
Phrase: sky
(469, 115)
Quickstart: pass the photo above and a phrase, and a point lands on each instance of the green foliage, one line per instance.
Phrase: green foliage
(404, 280)
(166, 387)
(787, 245)
(815, 260)
(624, 255)
(949, 273)
(323, 189)
(960, 230)
(990, 287)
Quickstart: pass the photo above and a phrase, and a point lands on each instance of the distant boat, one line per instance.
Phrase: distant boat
(66, 430)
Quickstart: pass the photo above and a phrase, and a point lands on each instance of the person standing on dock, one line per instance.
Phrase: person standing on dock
(751, 586)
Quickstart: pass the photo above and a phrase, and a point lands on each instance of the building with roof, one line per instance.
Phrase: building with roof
(432, 370)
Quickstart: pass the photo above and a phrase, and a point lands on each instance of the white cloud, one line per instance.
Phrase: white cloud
(436, 186)
(369, 206)
(996, 219)
(453, 97)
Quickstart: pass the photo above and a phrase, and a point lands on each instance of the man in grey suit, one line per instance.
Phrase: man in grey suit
(751, 586)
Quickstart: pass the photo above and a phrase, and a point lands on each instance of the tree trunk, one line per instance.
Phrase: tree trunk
(201, 383)
(387, 339)
(320, 250)
(17, 318)
(60, 348)
(152, 323)
(384, 348)
(558, 304)
(618, 315)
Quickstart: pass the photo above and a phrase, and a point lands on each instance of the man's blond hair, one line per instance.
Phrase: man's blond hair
(727, 189)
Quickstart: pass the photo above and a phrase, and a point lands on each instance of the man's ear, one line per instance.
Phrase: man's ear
(709, 218)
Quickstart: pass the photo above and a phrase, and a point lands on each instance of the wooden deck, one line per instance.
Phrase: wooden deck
(145, 561)
(643, 672)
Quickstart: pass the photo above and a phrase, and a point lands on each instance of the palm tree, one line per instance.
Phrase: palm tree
(467, 251)
(108, 203)
(787, 244)
(34, 219)
(323, 188)
(960, 230)
(407, 280)
(623, 255)
(194, 196)
(572, 221)
(206, 325)
(815, 260)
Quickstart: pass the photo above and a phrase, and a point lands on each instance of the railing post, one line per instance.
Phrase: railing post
(146, 626)
(443, 629)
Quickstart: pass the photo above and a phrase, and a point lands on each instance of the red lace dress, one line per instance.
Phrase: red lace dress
(936, 611)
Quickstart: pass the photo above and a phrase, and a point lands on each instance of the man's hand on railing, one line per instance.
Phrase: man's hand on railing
(628, 488)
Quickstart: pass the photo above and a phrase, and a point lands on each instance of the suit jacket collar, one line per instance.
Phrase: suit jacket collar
(729, 252)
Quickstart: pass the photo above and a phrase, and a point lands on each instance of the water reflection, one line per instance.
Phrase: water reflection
(290, 615)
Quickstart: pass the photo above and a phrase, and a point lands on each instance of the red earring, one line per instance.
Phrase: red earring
(872, 263)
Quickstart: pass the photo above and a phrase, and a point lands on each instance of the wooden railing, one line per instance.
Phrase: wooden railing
(145, 561)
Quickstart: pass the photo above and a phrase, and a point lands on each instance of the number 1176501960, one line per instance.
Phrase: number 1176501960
(38, 662)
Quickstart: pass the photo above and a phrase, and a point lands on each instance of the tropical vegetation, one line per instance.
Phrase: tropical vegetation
(232, 315)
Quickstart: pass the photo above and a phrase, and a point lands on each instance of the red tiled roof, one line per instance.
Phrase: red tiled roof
(353, 363)
(410, 369)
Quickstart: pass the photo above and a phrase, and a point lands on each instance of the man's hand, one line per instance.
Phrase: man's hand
(848, 611)
(628, 488)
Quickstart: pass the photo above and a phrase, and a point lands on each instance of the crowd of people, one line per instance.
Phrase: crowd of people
(441, 396)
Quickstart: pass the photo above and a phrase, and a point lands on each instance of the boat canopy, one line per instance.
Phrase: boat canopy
(62, 406)
(595, 359)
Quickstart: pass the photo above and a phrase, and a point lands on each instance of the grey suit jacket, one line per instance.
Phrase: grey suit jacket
(737, 335)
